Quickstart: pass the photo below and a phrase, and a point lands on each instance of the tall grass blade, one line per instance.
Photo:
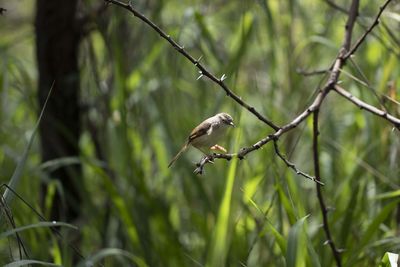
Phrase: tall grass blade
(16, 177)
(220, 241)
(294, 243)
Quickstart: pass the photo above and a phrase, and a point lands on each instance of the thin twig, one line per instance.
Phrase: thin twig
(362, 105)
(362, 38)
(293, 166)
(324, 210)
(203, 70)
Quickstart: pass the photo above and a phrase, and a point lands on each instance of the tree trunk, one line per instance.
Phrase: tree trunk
(57, 44)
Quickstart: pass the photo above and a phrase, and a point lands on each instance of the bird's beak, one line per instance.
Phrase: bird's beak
(232, 124)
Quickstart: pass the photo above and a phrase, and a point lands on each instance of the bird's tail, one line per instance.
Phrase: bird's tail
(178, 155)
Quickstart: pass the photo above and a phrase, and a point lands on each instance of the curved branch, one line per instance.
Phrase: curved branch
(362, 105)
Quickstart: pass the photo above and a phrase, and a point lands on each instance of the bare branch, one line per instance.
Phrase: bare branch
(203, 70)
(353, 13)
(324, 210)
(361, 104)
(293, 166)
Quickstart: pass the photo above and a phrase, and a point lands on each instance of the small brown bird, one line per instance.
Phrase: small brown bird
(206, 135)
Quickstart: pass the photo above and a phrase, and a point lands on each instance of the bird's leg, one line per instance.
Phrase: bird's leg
(218, 148)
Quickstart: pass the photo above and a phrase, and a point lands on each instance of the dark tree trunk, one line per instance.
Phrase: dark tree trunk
(57, 43)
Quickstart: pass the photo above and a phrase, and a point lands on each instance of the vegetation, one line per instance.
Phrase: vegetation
(140, 98)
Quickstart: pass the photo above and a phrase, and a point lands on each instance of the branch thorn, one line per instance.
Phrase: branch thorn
(223, 77)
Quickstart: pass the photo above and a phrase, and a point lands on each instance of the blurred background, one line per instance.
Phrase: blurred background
(124, 101)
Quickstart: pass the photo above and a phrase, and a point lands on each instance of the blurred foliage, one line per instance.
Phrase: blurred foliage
(141, 99)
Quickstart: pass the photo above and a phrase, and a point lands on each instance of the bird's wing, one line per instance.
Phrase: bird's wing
(202, 129)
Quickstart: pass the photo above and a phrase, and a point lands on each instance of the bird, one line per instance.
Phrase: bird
(206, 135)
